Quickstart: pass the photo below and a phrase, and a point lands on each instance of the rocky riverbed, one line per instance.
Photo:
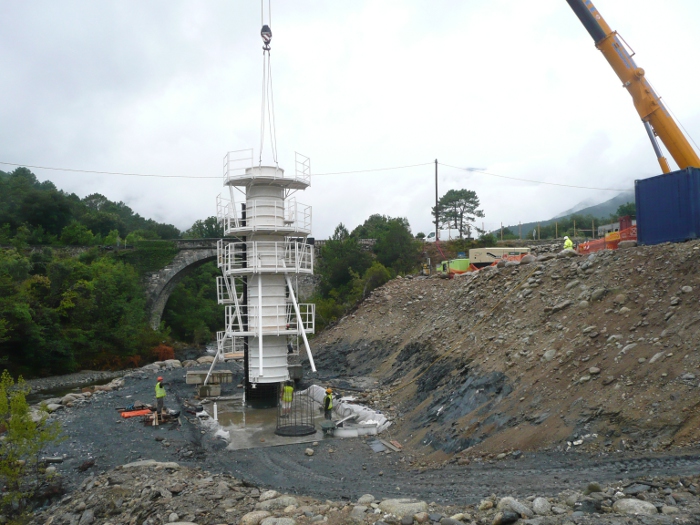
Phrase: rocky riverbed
(122, 471)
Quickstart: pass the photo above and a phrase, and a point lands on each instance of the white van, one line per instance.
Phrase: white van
(445, 235)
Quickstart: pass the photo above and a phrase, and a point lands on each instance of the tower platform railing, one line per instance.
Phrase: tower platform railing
(276, 320)
(254, 257)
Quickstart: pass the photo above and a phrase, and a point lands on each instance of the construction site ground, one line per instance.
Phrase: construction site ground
(534, 378)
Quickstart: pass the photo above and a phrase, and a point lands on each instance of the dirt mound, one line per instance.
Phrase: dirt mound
(595, 353)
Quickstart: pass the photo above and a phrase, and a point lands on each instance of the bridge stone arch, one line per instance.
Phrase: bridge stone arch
(159, 285)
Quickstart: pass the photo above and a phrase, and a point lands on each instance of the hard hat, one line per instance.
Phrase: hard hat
(160, 378)
(565, 237)
(328, 390)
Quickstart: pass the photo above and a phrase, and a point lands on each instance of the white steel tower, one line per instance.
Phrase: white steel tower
(260, 267)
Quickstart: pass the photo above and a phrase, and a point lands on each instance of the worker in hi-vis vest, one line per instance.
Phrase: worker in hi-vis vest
(287, 397)
(328, 404)
(568, 243)
(160, 396)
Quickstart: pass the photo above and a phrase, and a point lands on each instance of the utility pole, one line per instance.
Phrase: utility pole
(437, 227)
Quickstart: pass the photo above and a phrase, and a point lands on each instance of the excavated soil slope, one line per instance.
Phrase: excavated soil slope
(596, 353)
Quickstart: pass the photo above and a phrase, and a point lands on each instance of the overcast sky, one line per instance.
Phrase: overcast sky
(168, 87)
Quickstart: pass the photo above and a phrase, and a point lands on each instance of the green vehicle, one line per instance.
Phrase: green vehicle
(453, 266)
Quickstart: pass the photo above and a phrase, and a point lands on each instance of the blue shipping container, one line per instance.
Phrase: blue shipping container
(668, 207)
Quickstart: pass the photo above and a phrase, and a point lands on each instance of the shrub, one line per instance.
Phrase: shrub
(163, 352)
(25, 436)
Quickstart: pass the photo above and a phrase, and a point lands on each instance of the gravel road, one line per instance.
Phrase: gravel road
(340, 469)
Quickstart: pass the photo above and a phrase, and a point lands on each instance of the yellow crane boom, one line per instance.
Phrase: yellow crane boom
(656, 118)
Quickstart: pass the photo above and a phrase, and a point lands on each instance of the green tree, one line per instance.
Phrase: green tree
(209, 228)
(112, 238)
(458, 209)
(629, 208)
(375, 225)
(77, 234)
(340, 255)
(396, 248)
(25, 438)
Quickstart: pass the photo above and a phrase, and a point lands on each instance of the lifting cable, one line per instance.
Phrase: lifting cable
(268, 104)
(458, 343)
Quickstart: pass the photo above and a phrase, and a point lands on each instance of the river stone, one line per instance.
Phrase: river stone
(521, 509)
(173, 363)
(52, 407)
(358, 513)
(505, 517)
(309, 452)
(635, 489)
(504, 503)
(87, 518)
(366, 499)
(598, 294)
(450, 521)
(634, 506)
(421, 517)
(403, 506)
(486, 504)
(278, 521)
(656, 357)
(276, 504)
(669, 509)
(549, 355)
(527, 259)
(407, 520)
(173, 517)
(541, 506)
(561, 306)
(268, 494)
(205, 360)
(254, 518)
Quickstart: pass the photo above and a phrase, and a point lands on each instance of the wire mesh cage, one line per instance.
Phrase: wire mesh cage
(295, 412)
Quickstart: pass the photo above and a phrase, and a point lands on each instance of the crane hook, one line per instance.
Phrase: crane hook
(266, 34)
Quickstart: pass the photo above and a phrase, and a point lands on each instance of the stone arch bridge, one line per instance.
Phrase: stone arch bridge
(192, 253)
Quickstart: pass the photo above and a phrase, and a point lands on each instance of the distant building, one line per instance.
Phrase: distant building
(614, 227)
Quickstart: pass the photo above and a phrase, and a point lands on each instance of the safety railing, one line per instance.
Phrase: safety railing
(268, 215)
(275, 320)
(236, 163)
(225, 287)
(302, 165)
(265, 257)
(228, 345)
(226, 215)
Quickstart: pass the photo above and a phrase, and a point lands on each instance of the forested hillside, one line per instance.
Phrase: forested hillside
(33, 212)
(59, 311)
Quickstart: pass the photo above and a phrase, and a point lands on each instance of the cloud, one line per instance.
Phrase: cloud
(170, 87)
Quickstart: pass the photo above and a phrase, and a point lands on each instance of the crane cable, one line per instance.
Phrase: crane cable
(268, 104)
(458, 343)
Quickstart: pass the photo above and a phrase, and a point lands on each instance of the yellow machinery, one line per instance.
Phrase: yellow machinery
(656, 118)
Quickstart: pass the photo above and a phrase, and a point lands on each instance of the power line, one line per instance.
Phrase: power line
(108, 172)
(474, 170)
(372, 170)
(192, 177)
